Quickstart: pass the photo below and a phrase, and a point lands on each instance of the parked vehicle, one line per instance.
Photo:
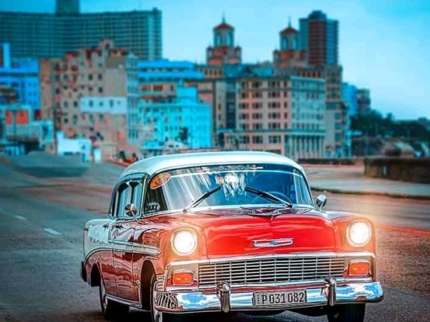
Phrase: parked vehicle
(228, 232)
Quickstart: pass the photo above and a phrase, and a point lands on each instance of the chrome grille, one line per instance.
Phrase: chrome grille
(274, 270)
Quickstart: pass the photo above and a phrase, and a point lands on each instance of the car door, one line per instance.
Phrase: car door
(122, 243)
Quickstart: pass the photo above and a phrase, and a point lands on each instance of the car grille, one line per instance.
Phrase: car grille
(275, 270)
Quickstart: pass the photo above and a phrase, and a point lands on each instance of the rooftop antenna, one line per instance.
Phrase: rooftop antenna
(223, 17)
(289, 21)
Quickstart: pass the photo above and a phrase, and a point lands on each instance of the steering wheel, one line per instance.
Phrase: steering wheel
(275, 193)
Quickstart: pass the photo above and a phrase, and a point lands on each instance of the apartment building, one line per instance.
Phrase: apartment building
(181, 118)
(22, 76)
(87, 94)
(283, 115)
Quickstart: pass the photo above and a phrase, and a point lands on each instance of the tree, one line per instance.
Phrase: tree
(183, 134)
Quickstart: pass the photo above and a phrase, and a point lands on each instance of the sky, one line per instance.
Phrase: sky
(383, 45)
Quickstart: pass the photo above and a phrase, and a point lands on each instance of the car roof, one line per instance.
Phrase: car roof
(161, 163)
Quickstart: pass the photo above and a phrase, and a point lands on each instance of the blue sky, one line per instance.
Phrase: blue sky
(384, 45)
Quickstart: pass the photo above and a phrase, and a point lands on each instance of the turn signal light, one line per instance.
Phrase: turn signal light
(182, 278)
(359, 268)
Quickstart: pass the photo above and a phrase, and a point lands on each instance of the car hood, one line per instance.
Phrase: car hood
(233, 232)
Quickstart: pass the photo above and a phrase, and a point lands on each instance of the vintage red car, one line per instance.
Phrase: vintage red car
(228, 232)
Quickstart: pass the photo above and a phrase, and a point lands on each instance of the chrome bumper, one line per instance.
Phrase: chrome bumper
(225, 299)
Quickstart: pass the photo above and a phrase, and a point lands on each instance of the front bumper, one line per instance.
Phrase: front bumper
(226, 300)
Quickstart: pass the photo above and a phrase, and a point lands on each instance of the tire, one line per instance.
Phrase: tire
(157, 316)
(347, 313)
(111, 310)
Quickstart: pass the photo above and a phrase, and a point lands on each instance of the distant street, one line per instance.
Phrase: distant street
(41, 224)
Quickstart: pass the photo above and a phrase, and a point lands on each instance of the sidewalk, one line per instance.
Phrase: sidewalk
(351, 180)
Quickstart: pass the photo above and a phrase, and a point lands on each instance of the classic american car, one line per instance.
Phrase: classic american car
(228, 232)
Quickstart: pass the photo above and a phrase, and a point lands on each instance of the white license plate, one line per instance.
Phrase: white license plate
(279, 298)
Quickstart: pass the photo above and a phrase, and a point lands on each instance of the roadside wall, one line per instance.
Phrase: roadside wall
(401, 169)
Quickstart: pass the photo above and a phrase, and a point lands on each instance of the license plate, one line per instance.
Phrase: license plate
(279, 298)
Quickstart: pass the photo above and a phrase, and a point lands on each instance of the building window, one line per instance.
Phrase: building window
(218, 40)
(257, 139)
(274, 139)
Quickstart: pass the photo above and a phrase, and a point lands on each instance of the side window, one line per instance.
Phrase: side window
(114, 204)
(136, 197)
(123, 199)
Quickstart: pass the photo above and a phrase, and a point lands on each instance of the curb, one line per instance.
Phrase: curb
(120, 163)
(410, 231)
(372, 193)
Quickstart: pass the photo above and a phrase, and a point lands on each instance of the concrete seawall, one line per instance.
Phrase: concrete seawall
(401, 169)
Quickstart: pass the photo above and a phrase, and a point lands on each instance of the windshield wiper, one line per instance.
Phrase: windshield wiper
(269, 196)
(201, 198)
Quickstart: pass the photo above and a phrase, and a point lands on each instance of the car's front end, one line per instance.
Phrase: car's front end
(274, 277)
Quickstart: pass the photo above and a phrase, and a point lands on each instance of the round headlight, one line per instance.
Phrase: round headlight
(184, 242)
(359, 233)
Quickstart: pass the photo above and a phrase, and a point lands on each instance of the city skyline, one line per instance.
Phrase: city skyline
(398, 81)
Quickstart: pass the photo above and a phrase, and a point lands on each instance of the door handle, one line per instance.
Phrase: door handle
(106, 226)
(119, 226)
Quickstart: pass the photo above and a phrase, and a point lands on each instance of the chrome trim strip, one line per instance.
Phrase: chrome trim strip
(136, 248)
(226, 300)
(286, 284)
(262, 257)
(95, 251)
(206, 208)
(124, 301)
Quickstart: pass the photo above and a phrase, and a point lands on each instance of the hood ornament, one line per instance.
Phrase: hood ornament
(262, 243)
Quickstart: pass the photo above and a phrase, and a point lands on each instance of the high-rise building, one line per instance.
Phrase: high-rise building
(42, 35)
(67, 7)
(319, 36)
(4, 56)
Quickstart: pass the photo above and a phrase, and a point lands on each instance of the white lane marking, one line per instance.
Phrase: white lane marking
(52, 231)
(20, 218)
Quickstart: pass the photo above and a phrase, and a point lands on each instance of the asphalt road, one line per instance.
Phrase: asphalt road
(41, 247)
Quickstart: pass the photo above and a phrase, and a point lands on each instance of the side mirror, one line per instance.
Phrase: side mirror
(130, 210)
(321, 201)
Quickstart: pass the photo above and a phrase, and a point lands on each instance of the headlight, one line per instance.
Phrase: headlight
(184, 242)
(359, 233)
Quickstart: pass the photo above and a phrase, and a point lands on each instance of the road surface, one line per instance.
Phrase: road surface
(41, 247)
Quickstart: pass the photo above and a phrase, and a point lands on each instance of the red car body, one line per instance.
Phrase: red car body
(242, 258)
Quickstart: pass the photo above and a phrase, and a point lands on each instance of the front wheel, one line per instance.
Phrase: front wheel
(157, 316)
(111, 310)
(347, 313)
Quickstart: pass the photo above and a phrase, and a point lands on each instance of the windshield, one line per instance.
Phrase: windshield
(177, 189)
